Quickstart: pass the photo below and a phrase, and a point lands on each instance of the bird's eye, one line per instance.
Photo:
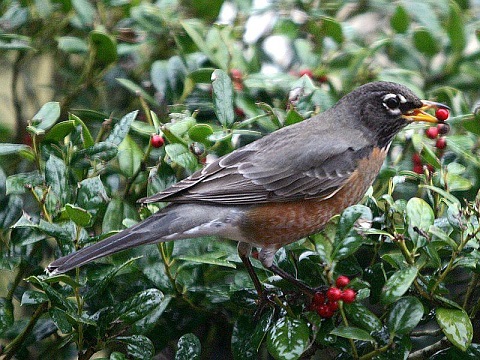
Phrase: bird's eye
(392, 102)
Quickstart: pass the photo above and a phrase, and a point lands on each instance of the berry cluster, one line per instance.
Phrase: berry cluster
(434, 133)
(326, 303)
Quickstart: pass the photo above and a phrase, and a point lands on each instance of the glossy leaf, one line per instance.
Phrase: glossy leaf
(363, 318)
(138, 346)
(59, 131)
(353, 333)
(121, 128)
(456, 326)
(200, 133)
(72, 45)
(248, 335)
(398, 284)
(104, 47)
(188, 348)
(10, 211)
(405, 315)
(91, 195)
(419, 216)
(56, 177)
(182, 156)
(86, 135)
(78, 215)
(8, 149)
(129, 157)
(6, 314)
(288, 338)
(33, 297)
(60, 318)
(46, 117)
(117, 211)
(455, 28)
(223, 98)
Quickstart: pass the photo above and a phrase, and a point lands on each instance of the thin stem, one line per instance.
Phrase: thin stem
(167, 263)
(12, 348)
(345, 321)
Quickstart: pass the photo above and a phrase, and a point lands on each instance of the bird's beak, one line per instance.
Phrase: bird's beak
(420, 114)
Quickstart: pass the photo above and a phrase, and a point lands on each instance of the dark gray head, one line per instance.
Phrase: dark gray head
(384, 108)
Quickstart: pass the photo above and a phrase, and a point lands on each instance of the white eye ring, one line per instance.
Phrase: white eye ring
(391, 101)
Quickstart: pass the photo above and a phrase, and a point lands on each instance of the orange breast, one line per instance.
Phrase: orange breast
(278, 224)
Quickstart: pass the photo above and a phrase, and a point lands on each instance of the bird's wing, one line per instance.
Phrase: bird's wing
(291, 165)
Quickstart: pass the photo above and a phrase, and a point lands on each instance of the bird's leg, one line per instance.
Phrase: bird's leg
(244, 251)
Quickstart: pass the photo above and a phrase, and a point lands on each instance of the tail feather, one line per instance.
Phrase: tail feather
(168, 224)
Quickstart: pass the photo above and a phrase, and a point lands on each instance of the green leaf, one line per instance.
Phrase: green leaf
(46, 117)
(248, 334)
(333, 29)
(33, 297)
(347, 239)
(209, 258)
(180, 154)
(138, 346)
(223, 98)
(87, 136)
(59, 131)
(102, 151)
(456, 28)
(129, 156)
(72, 45)
(405, 315)
(117, 211)
(143, 128)
(200, 133)
(79, 216)
(121, 128)
(425, 42)
(18, 183)
(398, 284)
(400, 21)
(419, 216)
(188, 348)
(292, 117)
(10, 211)
(6, 314)
(56, 177)
(85, 12)
(353, 333)
(91, 195)
(61, 320)
(8, 149)
(104, 47)
(456, 326)
(360, 316)
(288, 338)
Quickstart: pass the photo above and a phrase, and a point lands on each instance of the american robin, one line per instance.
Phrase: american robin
(282, 187)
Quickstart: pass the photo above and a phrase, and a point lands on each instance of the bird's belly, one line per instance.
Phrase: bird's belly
(277, 224)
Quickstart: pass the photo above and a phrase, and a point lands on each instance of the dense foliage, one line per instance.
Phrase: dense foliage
(134, 109)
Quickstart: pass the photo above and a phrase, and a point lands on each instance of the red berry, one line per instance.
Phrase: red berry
(342, 281)
(442, 114)
(319, 298)
(430, 168)
(324, 311)
(432, 132)
(334, 294)
(157, 141)
(417, 160)
(333, 305)
(441, 143)
(443, 128)
(307, 72)
(418, 168)
(348, 296)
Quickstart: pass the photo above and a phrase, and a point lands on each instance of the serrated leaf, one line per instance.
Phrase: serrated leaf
(46, 117)
(129, 156)
(56, 177)
(33, 297)
(180, 154)
(419, 216)
(353, 333)
(456, 326)
(138, 346)
(223, 98)
(360, 316)
(121, 128)
(398, 284)
(405, 315)
(188, 348)
(117, 211)
(78, 215)
(288, 338)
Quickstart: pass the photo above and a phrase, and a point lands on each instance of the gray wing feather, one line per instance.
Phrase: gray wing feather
(248, 176)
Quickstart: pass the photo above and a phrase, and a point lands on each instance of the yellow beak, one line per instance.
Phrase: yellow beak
(420, 114)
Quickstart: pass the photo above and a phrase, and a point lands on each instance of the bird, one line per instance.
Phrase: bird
(280, 188)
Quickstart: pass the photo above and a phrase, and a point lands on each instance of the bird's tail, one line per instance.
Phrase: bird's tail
(171, 223)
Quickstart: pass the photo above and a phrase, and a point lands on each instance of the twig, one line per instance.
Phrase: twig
(428, 351)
